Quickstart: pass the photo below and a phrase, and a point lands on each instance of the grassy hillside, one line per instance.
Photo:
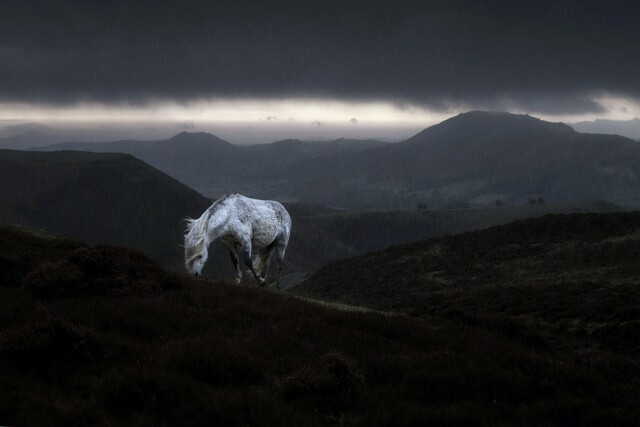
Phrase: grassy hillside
(101, 335)
(112, 198)
(573, 279)
(323, 235)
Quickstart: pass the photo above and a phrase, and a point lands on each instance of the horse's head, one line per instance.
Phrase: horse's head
(195, 259)
(195, 246)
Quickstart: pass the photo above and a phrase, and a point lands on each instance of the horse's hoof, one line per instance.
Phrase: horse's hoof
(237, 281)
(262, 282)
(274, 285)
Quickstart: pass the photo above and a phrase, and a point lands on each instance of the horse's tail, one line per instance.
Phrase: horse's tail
(263, 258)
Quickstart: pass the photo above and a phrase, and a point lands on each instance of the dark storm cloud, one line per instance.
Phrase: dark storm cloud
(547, 56)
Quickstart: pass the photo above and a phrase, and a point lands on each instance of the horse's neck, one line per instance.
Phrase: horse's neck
(216, 226)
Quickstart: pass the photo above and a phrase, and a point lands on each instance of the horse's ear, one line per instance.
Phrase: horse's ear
(187, 222)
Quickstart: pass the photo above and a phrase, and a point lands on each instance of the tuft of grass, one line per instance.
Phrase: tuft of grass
(332, 383)
(55, 280)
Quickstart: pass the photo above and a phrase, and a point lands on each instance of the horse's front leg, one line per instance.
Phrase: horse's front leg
(246, 249)
(236, 264)
(234, 247)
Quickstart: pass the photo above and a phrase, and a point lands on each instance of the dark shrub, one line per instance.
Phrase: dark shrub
(215, 362)
(46, 341)
(331, 382)
(107, 261)
(55, 280)
(13, 268)
(107, 269)
(171, 281)
(622, 338)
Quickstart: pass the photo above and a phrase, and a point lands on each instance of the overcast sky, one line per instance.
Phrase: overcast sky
(311, 64)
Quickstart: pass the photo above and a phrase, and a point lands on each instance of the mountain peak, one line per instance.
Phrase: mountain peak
(474, 124)
(504, 118)
(197, 138)
(194, 135)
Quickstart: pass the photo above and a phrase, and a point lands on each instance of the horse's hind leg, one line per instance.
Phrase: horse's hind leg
(279, 258)
(233, 252)
(265, 260)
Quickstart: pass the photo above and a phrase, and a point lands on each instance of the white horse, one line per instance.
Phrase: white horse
(247, 226)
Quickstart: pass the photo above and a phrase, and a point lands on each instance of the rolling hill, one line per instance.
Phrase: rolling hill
(323, 236)
(572, 278)
(214, 166)
(109, 198)
(102, 335)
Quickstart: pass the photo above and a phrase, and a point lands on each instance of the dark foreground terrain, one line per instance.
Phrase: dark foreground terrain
(102, 335)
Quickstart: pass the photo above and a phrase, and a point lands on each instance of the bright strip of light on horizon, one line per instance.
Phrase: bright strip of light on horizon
(300, 110)
(226, 111)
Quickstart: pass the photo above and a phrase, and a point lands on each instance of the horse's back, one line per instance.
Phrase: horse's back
(268, 218)
(281, 214)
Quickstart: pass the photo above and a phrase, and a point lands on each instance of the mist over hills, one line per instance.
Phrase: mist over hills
(628, 128)
(474, 158)
(25, 140)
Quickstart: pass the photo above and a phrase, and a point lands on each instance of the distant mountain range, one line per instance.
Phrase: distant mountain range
(478, 158)
(628, 128)
(475, 159)
(26, 139)
(214, 166)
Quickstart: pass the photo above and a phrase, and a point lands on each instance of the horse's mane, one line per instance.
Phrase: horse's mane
(197, 230)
